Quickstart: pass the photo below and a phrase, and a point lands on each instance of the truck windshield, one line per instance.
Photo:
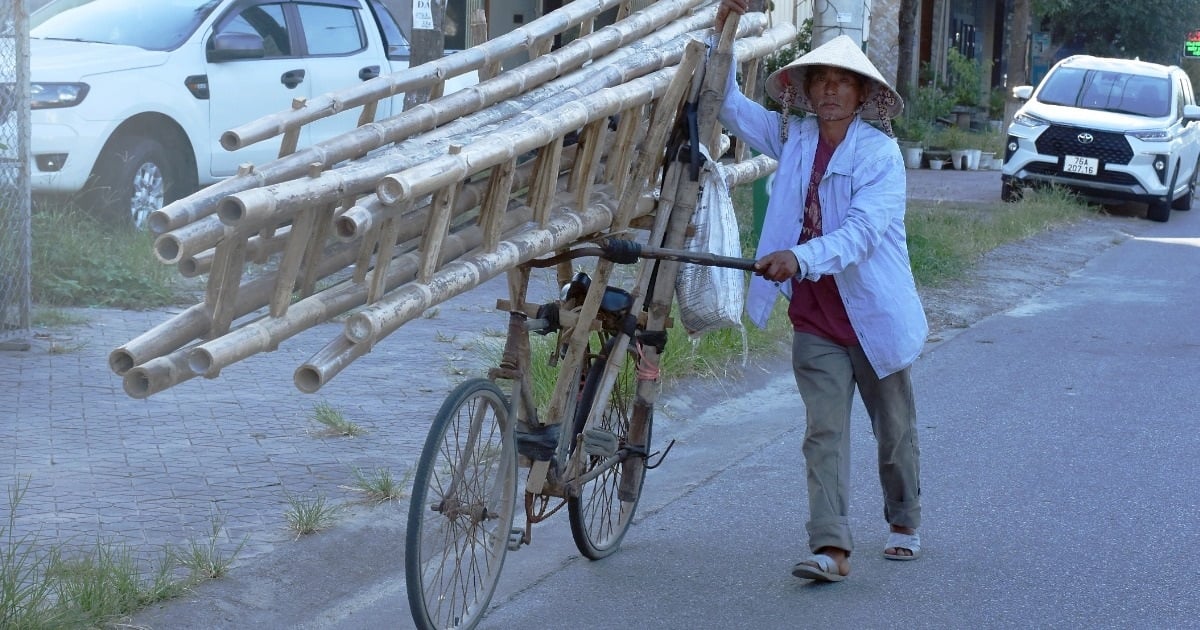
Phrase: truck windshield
(1109, 91)
(156, 25)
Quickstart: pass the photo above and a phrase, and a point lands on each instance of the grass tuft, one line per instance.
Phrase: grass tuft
(379, 486)
(309, 516)
(334, 421)
(204, 559)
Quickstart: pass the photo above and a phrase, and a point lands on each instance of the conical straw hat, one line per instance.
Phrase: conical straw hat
(786, 85)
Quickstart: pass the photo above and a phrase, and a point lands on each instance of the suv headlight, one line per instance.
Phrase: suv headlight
(52, 95)
(1029, 120)
(1150, 135)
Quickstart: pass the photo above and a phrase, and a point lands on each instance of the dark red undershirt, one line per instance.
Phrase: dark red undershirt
(816, 307)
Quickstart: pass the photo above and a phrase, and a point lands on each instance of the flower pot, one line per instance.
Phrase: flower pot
(936, 164)
(973, 157)
(986, 160)
(958, 158)
(912, 157)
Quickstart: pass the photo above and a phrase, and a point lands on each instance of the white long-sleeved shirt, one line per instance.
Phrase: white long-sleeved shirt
(863, 244)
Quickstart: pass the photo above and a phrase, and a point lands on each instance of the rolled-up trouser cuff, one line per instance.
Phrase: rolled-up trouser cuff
(833, 532)
(903, 513)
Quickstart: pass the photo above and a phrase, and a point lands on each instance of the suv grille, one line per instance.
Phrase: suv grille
(1109, 147)
(1111, 177)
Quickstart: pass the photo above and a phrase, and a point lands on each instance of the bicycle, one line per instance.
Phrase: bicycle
(464, 500)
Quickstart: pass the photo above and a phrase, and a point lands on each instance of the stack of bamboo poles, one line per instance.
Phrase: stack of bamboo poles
(406, 212)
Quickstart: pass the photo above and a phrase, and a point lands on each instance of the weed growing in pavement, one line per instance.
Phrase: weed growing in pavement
(204, 559)
(379, 486)
(41, 586)
(309, 516)
(334, 421)
(107, 583)
(26, 591)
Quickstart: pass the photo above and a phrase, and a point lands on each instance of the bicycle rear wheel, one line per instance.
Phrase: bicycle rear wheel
(461, 511)
(600, 516)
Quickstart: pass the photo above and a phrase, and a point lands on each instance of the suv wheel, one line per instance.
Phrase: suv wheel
(1008, 191)
(134, 176)
(1159, 210)
(1185, 202)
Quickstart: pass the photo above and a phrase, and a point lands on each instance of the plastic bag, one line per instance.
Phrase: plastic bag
(711, 298)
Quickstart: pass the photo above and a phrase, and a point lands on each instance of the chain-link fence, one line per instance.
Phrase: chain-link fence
(15, 214)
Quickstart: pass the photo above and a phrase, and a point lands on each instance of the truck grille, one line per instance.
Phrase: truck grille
(1109, 147)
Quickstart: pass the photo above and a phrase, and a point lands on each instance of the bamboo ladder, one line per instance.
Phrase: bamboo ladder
(433, 201)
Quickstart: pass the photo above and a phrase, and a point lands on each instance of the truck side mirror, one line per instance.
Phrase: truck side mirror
(233, 46)
(1023, 92)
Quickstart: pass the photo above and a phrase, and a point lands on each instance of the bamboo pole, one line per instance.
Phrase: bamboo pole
(257, 248)
(354, 223)
(425, 75)
(425, 178)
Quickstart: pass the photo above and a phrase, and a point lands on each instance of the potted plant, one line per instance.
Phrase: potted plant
(965, 79)
(910, 135)
(956, 142)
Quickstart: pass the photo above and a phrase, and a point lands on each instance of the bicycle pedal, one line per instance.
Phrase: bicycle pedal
(515, 537)
(600, 443)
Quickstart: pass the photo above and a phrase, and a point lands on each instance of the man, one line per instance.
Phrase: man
(834, 243)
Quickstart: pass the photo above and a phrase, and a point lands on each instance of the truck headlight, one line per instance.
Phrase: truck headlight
(52, 95)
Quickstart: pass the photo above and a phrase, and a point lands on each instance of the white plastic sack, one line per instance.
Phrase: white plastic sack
(711, 298)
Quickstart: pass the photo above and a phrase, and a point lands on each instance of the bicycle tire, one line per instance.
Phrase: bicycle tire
(599, 518)
(453, 556)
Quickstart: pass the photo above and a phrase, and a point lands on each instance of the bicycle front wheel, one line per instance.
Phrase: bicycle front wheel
(461, 511)
(600, 515)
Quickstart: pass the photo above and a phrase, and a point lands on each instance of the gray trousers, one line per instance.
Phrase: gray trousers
(826, 375)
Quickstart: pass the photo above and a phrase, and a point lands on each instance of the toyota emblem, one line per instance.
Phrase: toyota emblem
(1085, 138)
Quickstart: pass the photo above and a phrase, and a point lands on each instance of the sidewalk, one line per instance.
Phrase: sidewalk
(230, 452)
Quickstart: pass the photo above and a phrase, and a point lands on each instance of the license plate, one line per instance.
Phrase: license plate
(1081, 165)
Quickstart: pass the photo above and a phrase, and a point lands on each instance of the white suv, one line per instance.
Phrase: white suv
(1110, 129)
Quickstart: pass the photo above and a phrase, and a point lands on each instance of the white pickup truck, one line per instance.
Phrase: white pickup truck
(130, 97)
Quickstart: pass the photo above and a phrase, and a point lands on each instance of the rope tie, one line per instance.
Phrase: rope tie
(647, 370)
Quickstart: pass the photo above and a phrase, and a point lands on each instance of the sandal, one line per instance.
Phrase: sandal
(819, 567)
(896, 540)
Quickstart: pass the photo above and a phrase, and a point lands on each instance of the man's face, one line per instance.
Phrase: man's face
(835, 93)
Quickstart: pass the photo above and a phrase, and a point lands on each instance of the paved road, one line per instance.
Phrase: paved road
(231, 451)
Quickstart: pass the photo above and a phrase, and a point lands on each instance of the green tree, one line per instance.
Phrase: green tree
(1152, 30)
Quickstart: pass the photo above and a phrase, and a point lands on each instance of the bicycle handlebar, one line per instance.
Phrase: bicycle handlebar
(626, 252)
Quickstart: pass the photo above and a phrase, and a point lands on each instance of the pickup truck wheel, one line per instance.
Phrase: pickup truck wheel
(134, 177)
